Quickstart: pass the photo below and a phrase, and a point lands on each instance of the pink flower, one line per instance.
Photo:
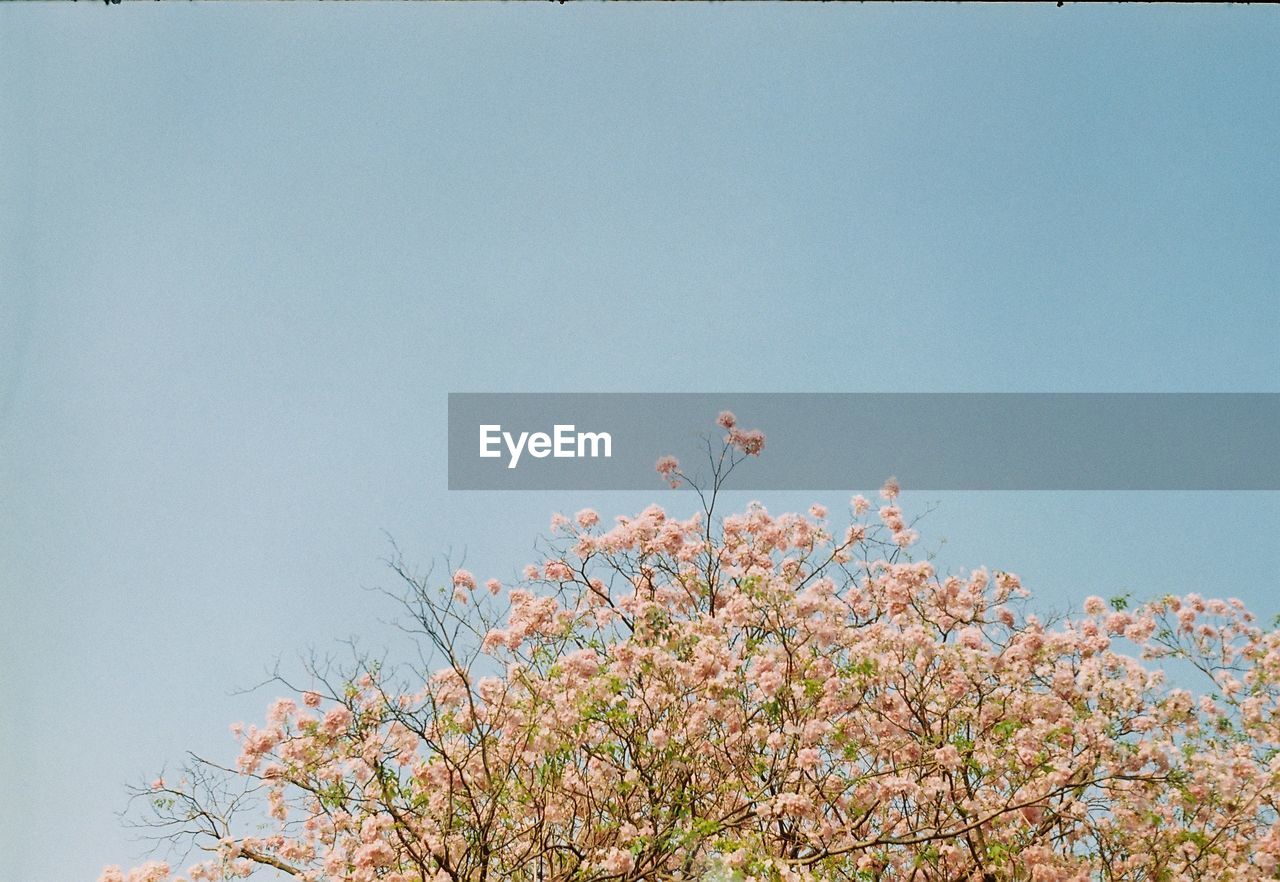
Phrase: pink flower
(151, 871)
(587, 518)
(1094, 605)
(464, 579)
(618, 862)
(903, 538)
(769, 682)
(494, 640)
(947, 756)
(1141, 629)
(970, 638)
(727, 420)
(493, 585)
(337, 720)
(891, 515)
(373, 854)
(558, 571)
(890, 490)
(668, 467)
(750, 443)
(281, 710)
(311, 699)
(1117, 622)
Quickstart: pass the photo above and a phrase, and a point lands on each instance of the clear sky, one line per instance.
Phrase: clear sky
(246, 250)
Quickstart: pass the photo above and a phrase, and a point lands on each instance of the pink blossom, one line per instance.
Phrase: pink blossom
(947, 756)
(373, 854)
(337, 720)
(749, 442)
(557, 571)
(618, 862)
(281, 710)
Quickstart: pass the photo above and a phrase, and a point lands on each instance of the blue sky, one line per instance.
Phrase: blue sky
(246, 250)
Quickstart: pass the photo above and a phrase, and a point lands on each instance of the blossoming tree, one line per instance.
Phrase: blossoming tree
(758, 697)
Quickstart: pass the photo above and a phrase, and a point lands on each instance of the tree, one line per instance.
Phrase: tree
(758, 697)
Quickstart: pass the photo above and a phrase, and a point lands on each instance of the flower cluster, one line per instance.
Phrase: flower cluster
(758, 697)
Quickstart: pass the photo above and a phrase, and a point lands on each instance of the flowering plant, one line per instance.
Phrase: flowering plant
(759, 697)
